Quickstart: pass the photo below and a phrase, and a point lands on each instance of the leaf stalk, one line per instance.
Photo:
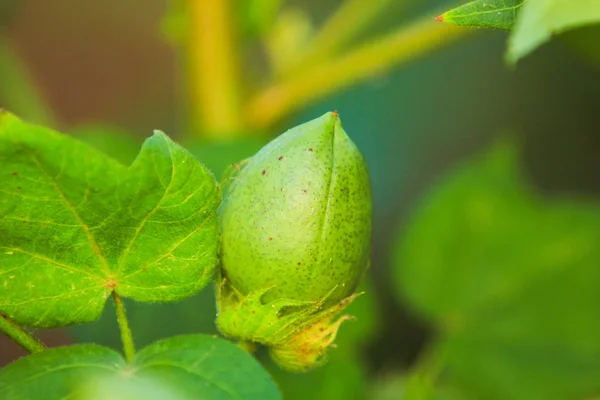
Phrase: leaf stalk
(126, 336)
(17, 333)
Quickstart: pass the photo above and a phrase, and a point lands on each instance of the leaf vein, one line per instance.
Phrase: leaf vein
(92, 240)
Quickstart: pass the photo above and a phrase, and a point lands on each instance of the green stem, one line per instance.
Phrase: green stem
(214, 69)
(18, 92)
(126, 337)
(349, 20)
(400, 47)
(19, 335)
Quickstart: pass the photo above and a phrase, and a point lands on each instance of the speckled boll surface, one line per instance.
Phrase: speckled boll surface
(298, 216)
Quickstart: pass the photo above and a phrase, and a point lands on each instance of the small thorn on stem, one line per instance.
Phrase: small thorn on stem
(439, 18)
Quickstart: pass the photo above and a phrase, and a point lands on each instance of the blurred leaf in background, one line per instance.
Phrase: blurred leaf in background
(540, 19)
(585, 41)
(396, 386)
(510, 280)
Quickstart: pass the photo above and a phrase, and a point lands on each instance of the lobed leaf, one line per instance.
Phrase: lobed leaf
(177, 318)
(76, 225)
(183, 367)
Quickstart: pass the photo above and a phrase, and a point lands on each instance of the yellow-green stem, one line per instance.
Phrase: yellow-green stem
(214, 68)
(344, 25)
(126, 337)
(409, 42)
(20, 335)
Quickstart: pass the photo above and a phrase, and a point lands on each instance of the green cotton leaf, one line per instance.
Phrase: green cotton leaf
(543, 343)
(460, 227)
(76, 225)
(205, 367)
(509, 280)
(497, 14)
(540, 19)
(183, 367)
(53, 373)
(544, 340)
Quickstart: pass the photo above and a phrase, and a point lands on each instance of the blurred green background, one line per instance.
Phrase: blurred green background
(485, 278)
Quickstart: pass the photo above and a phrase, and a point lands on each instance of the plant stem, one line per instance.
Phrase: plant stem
(409, 42)
(19, 335)
(344, 25)
(18, 91)
(214, 68)
(126, 337)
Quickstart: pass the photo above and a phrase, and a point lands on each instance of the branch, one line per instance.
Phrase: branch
(375, 57)
(214, 68)
(345, 24)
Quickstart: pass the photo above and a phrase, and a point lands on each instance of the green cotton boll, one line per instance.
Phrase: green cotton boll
(295, 242)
